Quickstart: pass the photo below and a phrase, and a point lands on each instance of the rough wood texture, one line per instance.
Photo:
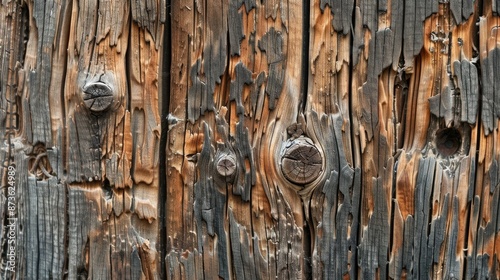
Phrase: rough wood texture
(394, 114)
(80, 116)
(314, 139)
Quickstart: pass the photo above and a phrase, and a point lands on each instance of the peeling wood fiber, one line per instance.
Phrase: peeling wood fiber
(313, 139)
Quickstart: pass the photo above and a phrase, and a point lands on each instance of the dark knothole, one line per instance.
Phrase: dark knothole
(448, 141)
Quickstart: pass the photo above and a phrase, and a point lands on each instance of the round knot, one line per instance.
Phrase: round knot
(97, 96)
(301, 162)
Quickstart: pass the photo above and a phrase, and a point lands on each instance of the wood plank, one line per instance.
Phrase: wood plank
(483, 229)
(315, 139)
(76, 144)
(446, 238)
(118, 122)
(375, 127)
(181, 248)
(234, 127)
(32, 60)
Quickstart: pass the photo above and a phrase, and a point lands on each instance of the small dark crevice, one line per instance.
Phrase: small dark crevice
(106, 189)
(129, 67)
(308, 245)
(304, 78)
(25, 29)
(165, 103)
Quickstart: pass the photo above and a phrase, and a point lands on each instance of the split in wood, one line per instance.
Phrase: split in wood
(448, 141)
(226, 165)
(97, 97)
(301, 162)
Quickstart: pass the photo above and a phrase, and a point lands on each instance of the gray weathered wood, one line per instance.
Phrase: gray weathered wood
(293, 139)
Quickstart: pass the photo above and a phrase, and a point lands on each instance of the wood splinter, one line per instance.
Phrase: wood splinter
(98, 96)
(301, 162)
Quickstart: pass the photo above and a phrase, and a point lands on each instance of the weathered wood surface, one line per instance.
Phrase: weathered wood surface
(297, 139)
(81, 119)
(398, 98)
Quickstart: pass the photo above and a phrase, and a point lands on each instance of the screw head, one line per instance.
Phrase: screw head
(97, 97)
(301, 162)
(226, 165)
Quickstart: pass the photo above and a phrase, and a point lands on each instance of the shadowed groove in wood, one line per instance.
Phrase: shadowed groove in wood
(166, 67)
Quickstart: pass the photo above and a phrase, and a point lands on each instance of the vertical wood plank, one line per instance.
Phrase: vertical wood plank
(379, 37)
(33, 131)
(240, 90)
(13, 27)
(334, 199)
(435, 220)
(181, 249)
(484, 210)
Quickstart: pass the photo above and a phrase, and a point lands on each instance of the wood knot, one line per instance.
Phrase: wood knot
(448, 141)
(226, 164)
(98, 96)
(301, 162)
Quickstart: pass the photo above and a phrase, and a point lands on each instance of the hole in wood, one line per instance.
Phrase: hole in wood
(98, 97)
(301, 162)
(107, 191)
(448, 141)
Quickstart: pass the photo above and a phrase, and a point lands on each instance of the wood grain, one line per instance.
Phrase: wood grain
(83, 134)
(293, 139)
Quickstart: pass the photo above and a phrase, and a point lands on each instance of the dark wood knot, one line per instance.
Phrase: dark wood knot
(98, 96)
(301, 162)
(448, 141)
(226, 164)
